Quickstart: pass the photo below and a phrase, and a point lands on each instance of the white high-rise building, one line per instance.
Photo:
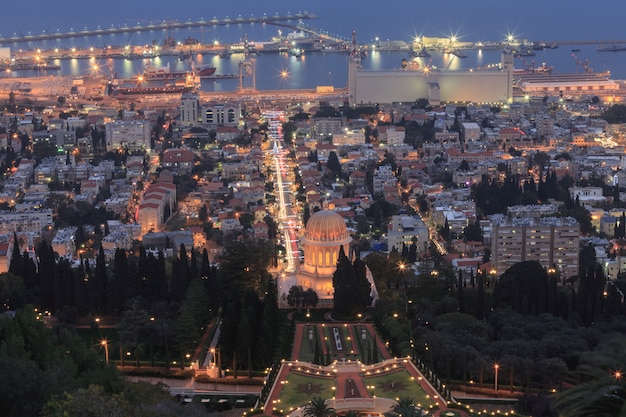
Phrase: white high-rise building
(189, 109)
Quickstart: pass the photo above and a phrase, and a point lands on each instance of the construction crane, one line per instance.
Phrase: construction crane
(526, 66)
(583, 64)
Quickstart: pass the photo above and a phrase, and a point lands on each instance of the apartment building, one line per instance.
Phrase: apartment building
(132, 134)
(552, 241)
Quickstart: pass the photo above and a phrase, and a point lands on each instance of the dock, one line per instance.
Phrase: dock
(163, 25)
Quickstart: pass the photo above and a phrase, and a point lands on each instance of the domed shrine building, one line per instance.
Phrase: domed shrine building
(324, 234)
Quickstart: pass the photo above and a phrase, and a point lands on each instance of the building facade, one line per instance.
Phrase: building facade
(404, 230)
(552, 241)
(132, 134)
(325, 234)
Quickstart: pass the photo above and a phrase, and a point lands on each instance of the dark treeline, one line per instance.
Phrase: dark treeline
(495, 195)
(54, 373)
(538, 328)
(162, 306)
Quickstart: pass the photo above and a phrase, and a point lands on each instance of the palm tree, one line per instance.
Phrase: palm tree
(404, 407)
(601, 395)
(602, 388)
(317, 407)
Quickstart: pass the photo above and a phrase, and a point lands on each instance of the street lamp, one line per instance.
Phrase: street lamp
(218, 363)
(496, 367)
(105, 343)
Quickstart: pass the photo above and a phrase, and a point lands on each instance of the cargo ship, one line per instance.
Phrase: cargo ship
(612, 48)
(165, 73)
(542, 69)
(164, 89)
(23, 66)
(204, 72)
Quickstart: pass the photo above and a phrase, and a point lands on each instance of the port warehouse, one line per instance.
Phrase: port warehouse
(568, 84)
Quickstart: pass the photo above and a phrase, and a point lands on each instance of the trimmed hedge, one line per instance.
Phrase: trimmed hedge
(205, 379)
(157, 372)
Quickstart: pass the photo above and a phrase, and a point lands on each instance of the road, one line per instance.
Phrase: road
(286, 215)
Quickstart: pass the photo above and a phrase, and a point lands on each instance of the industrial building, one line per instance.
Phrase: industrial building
(494, 85)
(588, 83)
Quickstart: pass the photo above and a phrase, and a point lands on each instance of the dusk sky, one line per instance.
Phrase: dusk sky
(397, 19)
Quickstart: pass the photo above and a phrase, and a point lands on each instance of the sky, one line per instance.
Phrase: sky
(395, 19)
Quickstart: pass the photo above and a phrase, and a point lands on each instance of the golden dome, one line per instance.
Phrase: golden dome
(324, 226)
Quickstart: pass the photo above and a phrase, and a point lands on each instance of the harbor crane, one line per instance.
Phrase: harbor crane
(585, 65)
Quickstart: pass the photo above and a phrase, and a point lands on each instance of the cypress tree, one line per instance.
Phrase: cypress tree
(316, 352)
(480, 313)
(101, 282)
(46, 275)
(17, 263)
(120, 279)
(193, 265)
(327, 355)
(29, 271)
(413, 252)
(161, 277)
(58, 289)
(374, 351)
(460, 292)
(205, 266)
(184, 272)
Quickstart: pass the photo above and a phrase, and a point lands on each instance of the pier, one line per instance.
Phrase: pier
(164, 25)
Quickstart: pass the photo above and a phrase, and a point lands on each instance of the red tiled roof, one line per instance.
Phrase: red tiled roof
(177, 155)
(148, 205)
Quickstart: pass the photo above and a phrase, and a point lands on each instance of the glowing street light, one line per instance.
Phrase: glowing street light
(105, 343)
(496, 367)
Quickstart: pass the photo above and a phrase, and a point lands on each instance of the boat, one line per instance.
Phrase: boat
(456, 52)
(488, 45)
(206, 71)
(164, 89)
(525, 52)
(542, 69)
(297, 52)
(612, 48)
(24, 66)
(575, 50)
(420, 52)
(153, 73)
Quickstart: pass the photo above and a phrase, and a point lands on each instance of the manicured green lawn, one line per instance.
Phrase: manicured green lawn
(398, 384)
(299, 389)
(307, 348)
